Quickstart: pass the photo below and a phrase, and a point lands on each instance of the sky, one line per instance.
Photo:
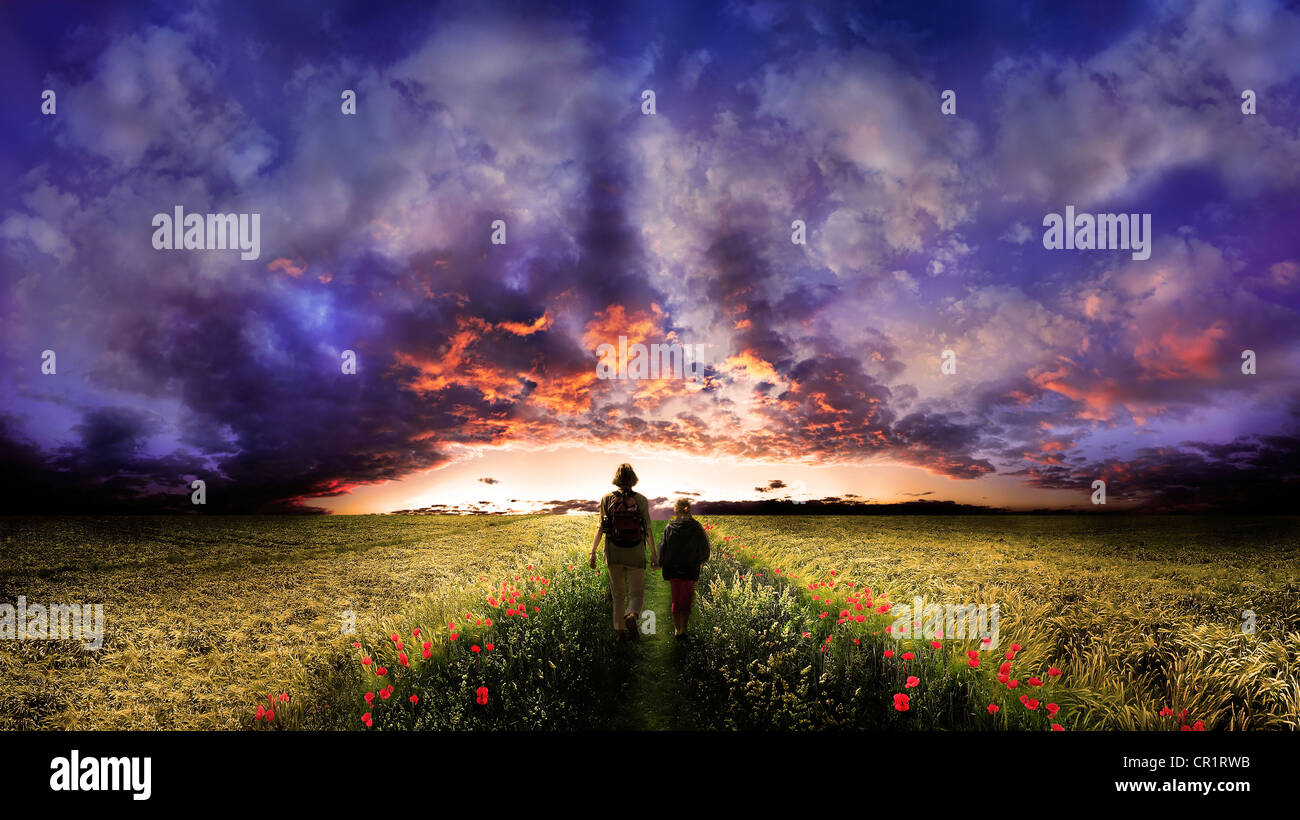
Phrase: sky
(477, 384)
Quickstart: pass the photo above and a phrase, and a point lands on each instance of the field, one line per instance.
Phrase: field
(205, 615)
(483, 622)
(1140, 614)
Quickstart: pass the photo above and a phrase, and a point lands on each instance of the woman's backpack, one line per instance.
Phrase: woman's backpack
(627, 527)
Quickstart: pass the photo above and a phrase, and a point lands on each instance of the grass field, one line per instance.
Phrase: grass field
(1142, 614)
(205, 616)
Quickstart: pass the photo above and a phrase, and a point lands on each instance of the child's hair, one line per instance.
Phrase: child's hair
(624, 477)
(682, 507)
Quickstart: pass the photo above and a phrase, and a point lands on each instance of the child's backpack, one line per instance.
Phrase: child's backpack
(627, 527)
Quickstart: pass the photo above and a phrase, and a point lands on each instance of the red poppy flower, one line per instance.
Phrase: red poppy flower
(415, 698)
(370, 697)
(270, 715)
(1013, 683)
(901, 702)
(936, 644)
(993, 708)
(488, 647)
(1035, 681)
(261, 711)
(381, 671)
(482, 695)
(889, 653)
(973, 662)
(912, 680)
(366, 719)
(416, 632)
(1198, 726)
(1005, 668)
(1056, 727)
(1053, 672)
(384, 693)
(475, 649)
(365, 661)
(1032, 703)
(1166, 712)
(401, 658)
(1052, 708)
(907, 656)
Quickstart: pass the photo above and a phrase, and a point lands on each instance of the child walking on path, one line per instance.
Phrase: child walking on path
(683, 549)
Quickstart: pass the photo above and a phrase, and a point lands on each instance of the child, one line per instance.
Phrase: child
(684, 547)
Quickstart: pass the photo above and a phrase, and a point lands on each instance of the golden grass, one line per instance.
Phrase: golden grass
(204, 616)
(1141, 613)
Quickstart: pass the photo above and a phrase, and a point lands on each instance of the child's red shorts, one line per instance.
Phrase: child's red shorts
(683, 593)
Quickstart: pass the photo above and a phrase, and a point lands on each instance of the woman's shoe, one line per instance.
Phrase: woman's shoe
(632, 631)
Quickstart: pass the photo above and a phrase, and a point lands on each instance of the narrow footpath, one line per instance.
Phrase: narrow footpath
(656, 697)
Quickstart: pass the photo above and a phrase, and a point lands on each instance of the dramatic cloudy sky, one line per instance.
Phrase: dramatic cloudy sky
(477, 381)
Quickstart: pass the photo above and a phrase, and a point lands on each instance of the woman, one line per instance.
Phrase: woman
(683, 549)
(625, 526)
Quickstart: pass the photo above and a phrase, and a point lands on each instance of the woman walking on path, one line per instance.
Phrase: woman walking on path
(684, 547)
(625, 526)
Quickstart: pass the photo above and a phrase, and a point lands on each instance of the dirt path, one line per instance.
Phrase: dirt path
(655, 695)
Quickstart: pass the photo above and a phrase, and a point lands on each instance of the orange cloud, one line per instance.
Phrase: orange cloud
(750, 365)
(288, 266)
(638, 326)
(1180, 354)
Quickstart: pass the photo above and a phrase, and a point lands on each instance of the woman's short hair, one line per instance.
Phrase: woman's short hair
(624, 477)
(682, 507)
